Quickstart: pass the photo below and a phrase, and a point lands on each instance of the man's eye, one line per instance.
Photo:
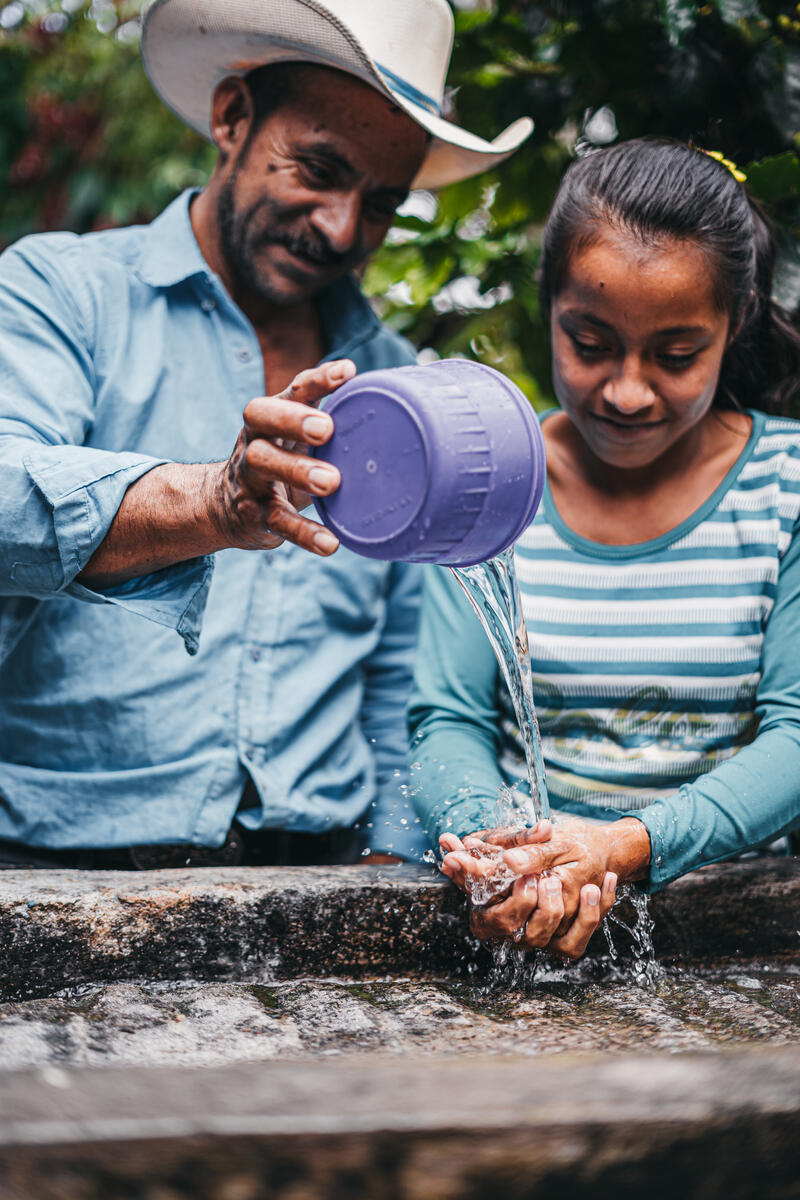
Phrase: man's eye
(318, 172)
(378, 209)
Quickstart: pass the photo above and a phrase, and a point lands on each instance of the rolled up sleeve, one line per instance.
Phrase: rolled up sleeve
(58, 496)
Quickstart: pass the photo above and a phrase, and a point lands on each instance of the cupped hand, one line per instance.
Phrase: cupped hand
(478, 859)
(550, 885)
(585, 852)
(270, 476)
(534, 915)
(575, 850)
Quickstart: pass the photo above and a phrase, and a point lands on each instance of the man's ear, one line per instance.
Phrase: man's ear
(231, 115)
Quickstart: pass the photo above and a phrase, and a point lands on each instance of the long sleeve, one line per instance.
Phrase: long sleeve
(387, 683)
(58, 496)
(754, 796)
(453, 713)
(751, 798)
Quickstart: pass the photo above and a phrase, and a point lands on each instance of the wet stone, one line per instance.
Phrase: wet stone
(331, 1034)
(265, 925)
(721, 1125)
(215, 1024)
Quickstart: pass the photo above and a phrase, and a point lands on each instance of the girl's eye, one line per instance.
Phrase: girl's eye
(589, 349)
(678, 362)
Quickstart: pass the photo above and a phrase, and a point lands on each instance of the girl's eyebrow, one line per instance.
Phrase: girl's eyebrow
(574, 314)
(678, 329)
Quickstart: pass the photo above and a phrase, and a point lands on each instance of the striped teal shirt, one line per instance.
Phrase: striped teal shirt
(666, 674)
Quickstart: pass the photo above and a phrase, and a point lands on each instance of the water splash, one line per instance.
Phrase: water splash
(516, 970)
(492, 590)
(646, 970)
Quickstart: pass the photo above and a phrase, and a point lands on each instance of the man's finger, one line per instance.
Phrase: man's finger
(267, 463)
(309, 387)
(449, 866)
(281, 518)
(287, 422)
(452, 868)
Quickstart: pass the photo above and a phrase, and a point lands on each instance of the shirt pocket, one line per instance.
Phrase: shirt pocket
(351, 592)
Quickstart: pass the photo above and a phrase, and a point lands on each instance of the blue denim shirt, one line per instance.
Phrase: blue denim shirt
(121, 350)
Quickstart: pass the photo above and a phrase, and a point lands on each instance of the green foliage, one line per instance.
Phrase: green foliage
(724, 75)
(85, 143)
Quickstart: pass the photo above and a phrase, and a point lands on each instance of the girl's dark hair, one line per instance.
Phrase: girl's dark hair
(658, 189)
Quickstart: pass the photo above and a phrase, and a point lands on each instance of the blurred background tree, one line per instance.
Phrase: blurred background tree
(84, 143)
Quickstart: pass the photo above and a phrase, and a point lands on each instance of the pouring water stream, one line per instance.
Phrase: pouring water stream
(492, 590)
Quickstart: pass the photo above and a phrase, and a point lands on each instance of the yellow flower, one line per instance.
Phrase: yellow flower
(726, 162)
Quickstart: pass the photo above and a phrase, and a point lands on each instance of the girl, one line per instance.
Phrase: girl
(660, 579)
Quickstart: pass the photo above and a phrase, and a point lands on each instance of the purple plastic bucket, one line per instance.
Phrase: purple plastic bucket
(443, 463)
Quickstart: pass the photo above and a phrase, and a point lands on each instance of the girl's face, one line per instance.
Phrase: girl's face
(637, 345)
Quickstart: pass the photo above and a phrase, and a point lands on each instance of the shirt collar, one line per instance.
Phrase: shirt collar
(171, 254)
(346, 316)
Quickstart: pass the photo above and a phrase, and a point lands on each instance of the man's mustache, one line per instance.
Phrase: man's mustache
(315, 249)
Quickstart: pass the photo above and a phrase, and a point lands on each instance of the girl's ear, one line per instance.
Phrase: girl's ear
(737, 327)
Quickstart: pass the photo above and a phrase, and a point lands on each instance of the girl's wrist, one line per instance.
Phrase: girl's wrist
(628, 849)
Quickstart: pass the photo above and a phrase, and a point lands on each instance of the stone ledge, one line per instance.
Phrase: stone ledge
(428, 1129)
(64, 928)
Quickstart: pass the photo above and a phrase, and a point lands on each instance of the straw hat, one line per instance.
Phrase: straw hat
(400, 47)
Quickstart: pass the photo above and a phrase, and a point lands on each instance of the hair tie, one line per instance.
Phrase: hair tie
(598, 130)
(738, 175)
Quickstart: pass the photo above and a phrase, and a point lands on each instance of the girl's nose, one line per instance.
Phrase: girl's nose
(629, 391)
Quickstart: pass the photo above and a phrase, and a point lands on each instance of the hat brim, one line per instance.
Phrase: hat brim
(188, 48)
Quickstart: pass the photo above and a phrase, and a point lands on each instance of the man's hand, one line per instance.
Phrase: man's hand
(180, 511)
(269, 476)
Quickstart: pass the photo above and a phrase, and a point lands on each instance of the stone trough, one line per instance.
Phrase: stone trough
(307, 1033)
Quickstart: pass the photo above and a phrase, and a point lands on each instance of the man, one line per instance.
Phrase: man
(126, 359)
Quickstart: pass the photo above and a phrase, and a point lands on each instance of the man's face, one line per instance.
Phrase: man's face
(314, 189)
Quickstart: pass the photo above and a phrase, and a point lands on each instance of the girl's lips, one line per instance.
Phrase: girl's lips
(626, 431)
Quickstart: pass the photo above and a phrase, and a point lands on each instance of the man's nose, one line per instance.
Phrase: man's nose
(339, 220)
(628, 391)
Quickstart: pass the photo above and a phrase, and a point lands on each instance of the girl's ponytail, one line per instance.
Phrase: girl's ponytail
(761, 369)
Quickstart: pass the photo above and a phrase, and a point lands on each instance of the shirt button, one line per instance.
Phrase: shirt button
(249, 751)
(244, 356)
(255, 653)
(208, 304)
